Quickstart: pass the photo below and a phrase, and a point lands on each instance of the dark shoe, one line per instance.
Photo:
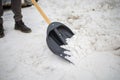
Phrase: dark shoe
(1, 31)
(19, 25)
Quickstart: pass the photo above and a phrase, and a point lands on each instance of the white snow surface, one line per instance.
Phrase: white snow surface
(95, 47)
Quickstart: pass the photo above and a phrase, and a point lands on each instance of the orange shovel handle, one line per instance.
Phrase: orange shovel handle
(41, 11)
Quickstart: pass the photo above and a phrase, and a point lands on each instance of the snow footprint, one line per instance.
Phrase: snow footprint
(78, 20)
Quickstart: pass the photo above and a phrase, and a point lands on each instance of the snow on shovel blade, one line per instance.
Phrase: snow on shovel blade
(57, 33)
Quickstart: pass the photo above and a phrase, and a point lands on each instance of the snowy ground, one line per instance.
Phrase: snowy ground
(95, 45)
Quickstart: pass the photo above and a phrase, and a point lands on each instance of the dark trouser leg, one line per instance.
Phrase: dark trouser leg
(1, 20)
(19, 24)
(16, 8)
(1, 12)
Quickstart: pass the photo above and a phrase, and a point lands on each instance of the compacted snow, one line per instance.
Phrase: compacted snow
(95, 47)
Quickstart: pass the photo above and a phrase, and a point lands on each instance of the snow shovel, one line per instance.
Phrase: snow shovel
(57, 33)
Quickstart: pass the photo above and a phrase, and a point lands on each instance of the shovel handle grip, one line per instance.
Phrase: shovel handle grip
(41, 11)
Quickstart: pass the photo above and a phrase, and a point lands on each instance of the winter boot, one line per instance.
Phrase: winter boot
(19, 25)
(1, 31)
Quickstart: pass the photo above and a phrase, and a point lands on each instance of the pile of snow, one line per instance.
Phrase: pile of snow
(95, 47)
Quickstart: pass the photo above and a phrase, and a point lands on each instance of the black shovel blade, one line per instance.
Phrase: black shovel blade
(57, 33)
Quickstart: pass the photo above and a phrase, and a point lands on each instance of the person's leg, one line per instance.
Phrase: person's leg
(1, 20)
(16, 8)
(1, 12)
(19, 24)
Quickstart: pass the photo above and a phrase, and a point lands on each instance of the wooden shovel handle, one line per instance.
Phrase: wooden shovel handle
(41, 11)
